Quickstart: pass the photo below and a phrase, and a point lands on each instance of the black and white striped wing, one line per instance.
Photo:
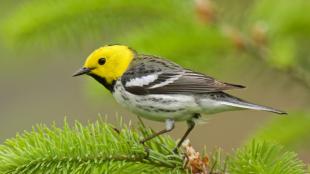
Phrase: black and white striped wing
(182, 82)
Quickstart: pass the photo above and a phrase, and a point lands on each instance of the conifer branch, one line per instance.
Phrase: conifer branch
(101, 148)
(88, 149)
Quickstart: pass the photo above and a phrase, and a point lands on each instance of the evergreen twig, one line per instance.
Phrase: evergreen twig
(87, 149)
(97, 148)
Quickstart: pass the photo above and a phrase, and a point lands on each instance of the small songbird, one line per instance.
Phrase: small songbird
(160, 90)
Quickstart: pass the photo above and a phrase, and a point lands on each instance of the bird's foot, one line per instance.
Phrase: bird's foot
(175, 150)
(142, 141)
(147, 152)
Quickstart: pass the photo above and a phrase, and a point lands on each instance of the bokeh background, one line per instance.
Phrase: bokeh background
(262, 44)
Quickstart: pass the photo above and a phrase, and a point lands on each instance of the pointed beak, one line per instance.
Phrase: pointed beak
(82, 71)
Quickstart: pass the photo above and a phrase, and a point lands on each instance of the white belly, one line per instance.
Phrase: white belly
(160, 107)
(157, 107)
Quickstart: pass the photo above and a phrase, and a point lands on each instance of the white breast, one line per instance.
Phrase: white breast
(157, 106)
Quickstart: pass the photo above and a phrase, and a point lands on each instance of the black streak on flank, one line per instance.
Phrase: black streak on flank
(103, 81)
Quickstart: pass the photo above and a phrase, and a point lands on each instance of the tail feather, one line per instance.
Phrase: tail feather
(239, 103)
(234, 85)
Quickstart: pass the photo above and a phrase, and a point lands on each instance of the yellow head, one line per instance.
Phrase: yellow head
(107, 63)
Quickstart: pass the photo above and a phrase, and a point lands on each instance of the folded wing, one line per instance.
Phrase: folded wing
(172, 79)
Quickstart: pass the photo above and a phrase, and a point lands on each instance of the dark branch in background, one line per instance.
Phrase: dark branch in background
(255, 45)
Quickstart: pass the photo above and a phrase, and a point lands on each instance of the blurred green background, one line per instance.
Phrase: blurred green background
(262, 44)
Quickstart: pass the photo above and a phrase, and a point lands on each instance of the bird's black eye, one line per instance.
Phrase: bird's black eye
(101, 61)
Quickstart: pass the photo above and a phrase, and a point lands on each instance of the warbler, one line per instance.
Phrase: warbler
(158, 89)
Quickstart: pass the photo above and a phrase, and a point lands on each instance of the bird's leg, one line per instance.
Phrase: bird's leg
(191, 125)
(169, 127)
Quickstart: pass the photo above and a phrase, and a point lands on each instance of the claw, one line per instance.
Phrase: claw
(147, 151)
(116, 130)
(142, 142)
(175, 150)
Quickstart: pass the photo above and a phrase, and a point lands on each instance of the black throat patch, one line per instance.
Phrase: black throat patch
(103, 81)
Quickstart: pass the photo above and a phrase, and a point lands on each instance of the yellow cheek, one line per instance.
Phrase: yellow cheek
(107, 73)
(118, 59)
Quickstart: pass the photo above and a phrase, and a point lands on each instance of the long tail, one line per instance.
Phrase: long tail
(230, 100)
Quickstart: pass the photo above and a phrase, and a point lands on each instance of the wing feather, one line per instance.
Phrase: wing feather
(173, 79)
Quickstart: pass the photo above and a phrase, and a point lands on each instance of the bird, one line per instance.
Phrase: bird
(157, 89)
